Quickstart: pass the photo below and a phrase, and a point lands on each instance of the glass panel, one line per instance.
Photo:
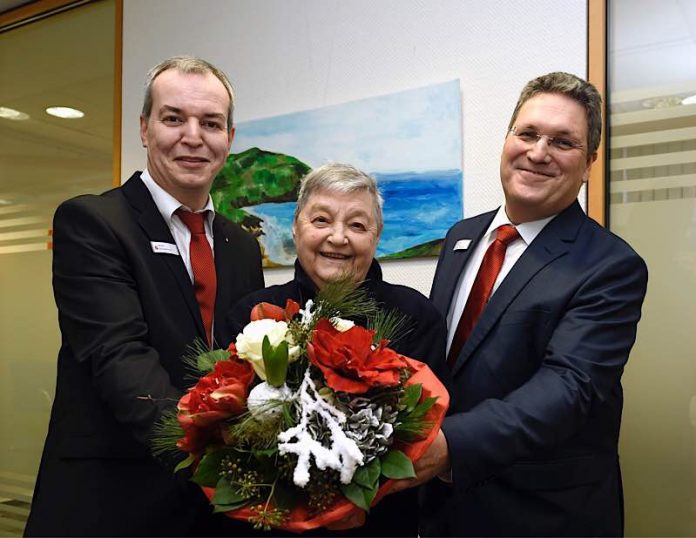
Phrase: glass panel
(652, 103)
(63, 60)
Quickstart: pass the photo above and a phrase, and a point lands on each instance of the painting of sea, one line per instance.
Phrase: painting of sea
(409, 141)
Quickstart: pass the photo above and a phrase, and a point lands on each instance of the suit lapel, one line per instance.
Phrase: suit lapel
(224, 260)
(553, 242)
(156, 229)
(455, 261)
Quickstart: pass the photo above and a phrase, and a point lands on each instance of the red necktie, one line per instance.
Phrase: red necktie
(482, 288)
(203, 266)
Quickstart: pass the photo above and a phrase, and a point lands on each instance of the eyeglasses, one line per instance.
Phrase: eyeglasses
(559, 143)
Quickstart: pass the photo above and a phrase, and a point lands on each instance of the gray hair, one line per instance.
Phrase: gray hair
(187, 65)
(338, 177)
(571, 86)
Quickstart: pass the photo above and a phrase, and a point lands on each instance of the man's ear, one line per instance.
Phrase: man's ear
(143, 130)
(230, 136)
(590, 160)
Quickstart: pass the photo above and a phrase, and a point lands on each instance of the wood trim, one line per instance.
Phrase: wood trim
(597, 74)
(36, 10)
(118, 75)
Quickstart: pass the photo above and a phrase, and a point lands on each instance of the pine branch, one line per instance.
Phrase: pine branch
(166, 432)
(391, 325)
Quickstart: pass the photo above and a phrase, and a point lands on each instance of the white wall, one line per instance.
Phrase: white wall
(290, 55)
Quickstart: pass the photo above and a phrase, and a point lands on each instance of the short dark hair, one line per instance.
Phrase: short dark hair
(577, 89)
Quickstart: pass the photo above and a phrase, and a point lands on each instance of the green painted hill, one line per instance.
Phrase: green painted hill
(255, 177)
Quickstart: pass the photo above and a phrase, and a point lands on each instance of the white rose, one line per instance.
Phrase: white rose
(249, 342)
(342, 325)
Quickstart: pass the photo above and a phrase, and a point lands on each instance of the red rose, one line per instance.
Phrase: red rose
(349, 363)
(271, 311)
(217, 396)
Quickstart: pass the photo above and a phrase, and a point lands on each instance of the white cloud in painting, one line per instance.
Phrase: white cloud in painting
(413, 130)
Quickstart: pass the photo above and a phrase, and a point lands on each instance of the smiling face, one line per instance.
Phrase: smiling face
(539, 181)
(186, 134)
(336, 233)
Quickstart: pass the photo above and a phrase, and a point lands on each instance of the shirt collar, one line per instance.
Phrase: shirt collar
(527, 230)
(167, 204)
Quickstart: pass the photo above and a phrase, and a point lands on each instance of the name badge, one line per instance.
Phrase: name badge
(164, 248)
(462, 244)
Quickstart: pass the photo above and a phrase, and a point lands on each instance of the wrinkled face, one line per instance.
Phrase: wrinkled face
(186, 134)
(336, 233)
(540, 180)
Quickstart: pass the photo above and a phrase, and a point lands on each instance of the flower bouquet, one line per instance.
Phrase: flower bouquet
(307, 418)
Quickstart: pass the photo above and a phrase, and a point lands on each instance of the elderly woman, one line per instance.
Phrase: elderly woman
(338, 222)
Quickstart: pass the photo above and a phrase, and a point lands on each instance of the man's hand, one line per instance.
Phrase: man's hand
(434, 462)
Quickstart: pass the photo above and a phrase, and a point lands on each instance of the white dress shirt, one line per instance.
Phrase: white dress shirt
(167, 206)
(528, 232)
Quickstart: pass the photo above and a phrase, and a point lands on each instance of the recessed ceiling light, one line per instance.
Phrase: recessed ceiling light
(12, 114)
(691, 100)
(64, 112)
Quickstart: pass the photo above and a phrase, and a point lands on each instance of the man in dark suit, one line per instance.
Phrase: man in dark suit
(530, 444)
(128, 295)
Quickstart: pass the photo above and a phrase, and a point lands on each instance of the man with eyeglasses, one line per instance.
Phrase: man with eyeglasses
(542, 305)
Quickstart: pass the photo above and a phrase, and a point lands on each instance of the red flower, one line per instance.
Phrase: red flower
(271, 311)
(349, 363)
(217, 396)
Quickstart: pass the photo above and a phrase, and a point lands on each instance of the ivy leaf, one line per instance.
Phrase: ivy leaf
(358, 495)
(208, 471)
(412, 394)
(227, 494)
(184, 464)
(397, 465)
(367, 475)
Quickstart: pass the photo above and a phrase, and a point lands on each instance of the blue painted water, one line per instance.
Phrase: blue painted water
(418, 207)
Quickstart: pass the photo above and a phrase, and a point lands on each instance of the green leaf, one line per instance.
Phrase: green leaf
(220, 508)
(208, 471)
(358, 495)
(226, 493)
(185, 463)
(412, 394)
(275, 360)
(396, 464)
(368, 475)
(264, 453)
(206, 361)
(422, 408)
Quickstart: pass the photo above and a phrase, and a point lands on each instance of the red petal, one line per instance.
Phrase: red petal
(267, 311)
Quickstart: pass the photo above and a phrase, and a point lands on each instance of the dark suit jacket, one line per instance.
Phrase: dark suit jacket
(127, 315)
(424, 339)
(536, 396)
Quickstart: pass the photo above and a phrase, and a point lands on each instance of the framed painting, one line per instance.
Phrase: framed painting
(409, 141)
